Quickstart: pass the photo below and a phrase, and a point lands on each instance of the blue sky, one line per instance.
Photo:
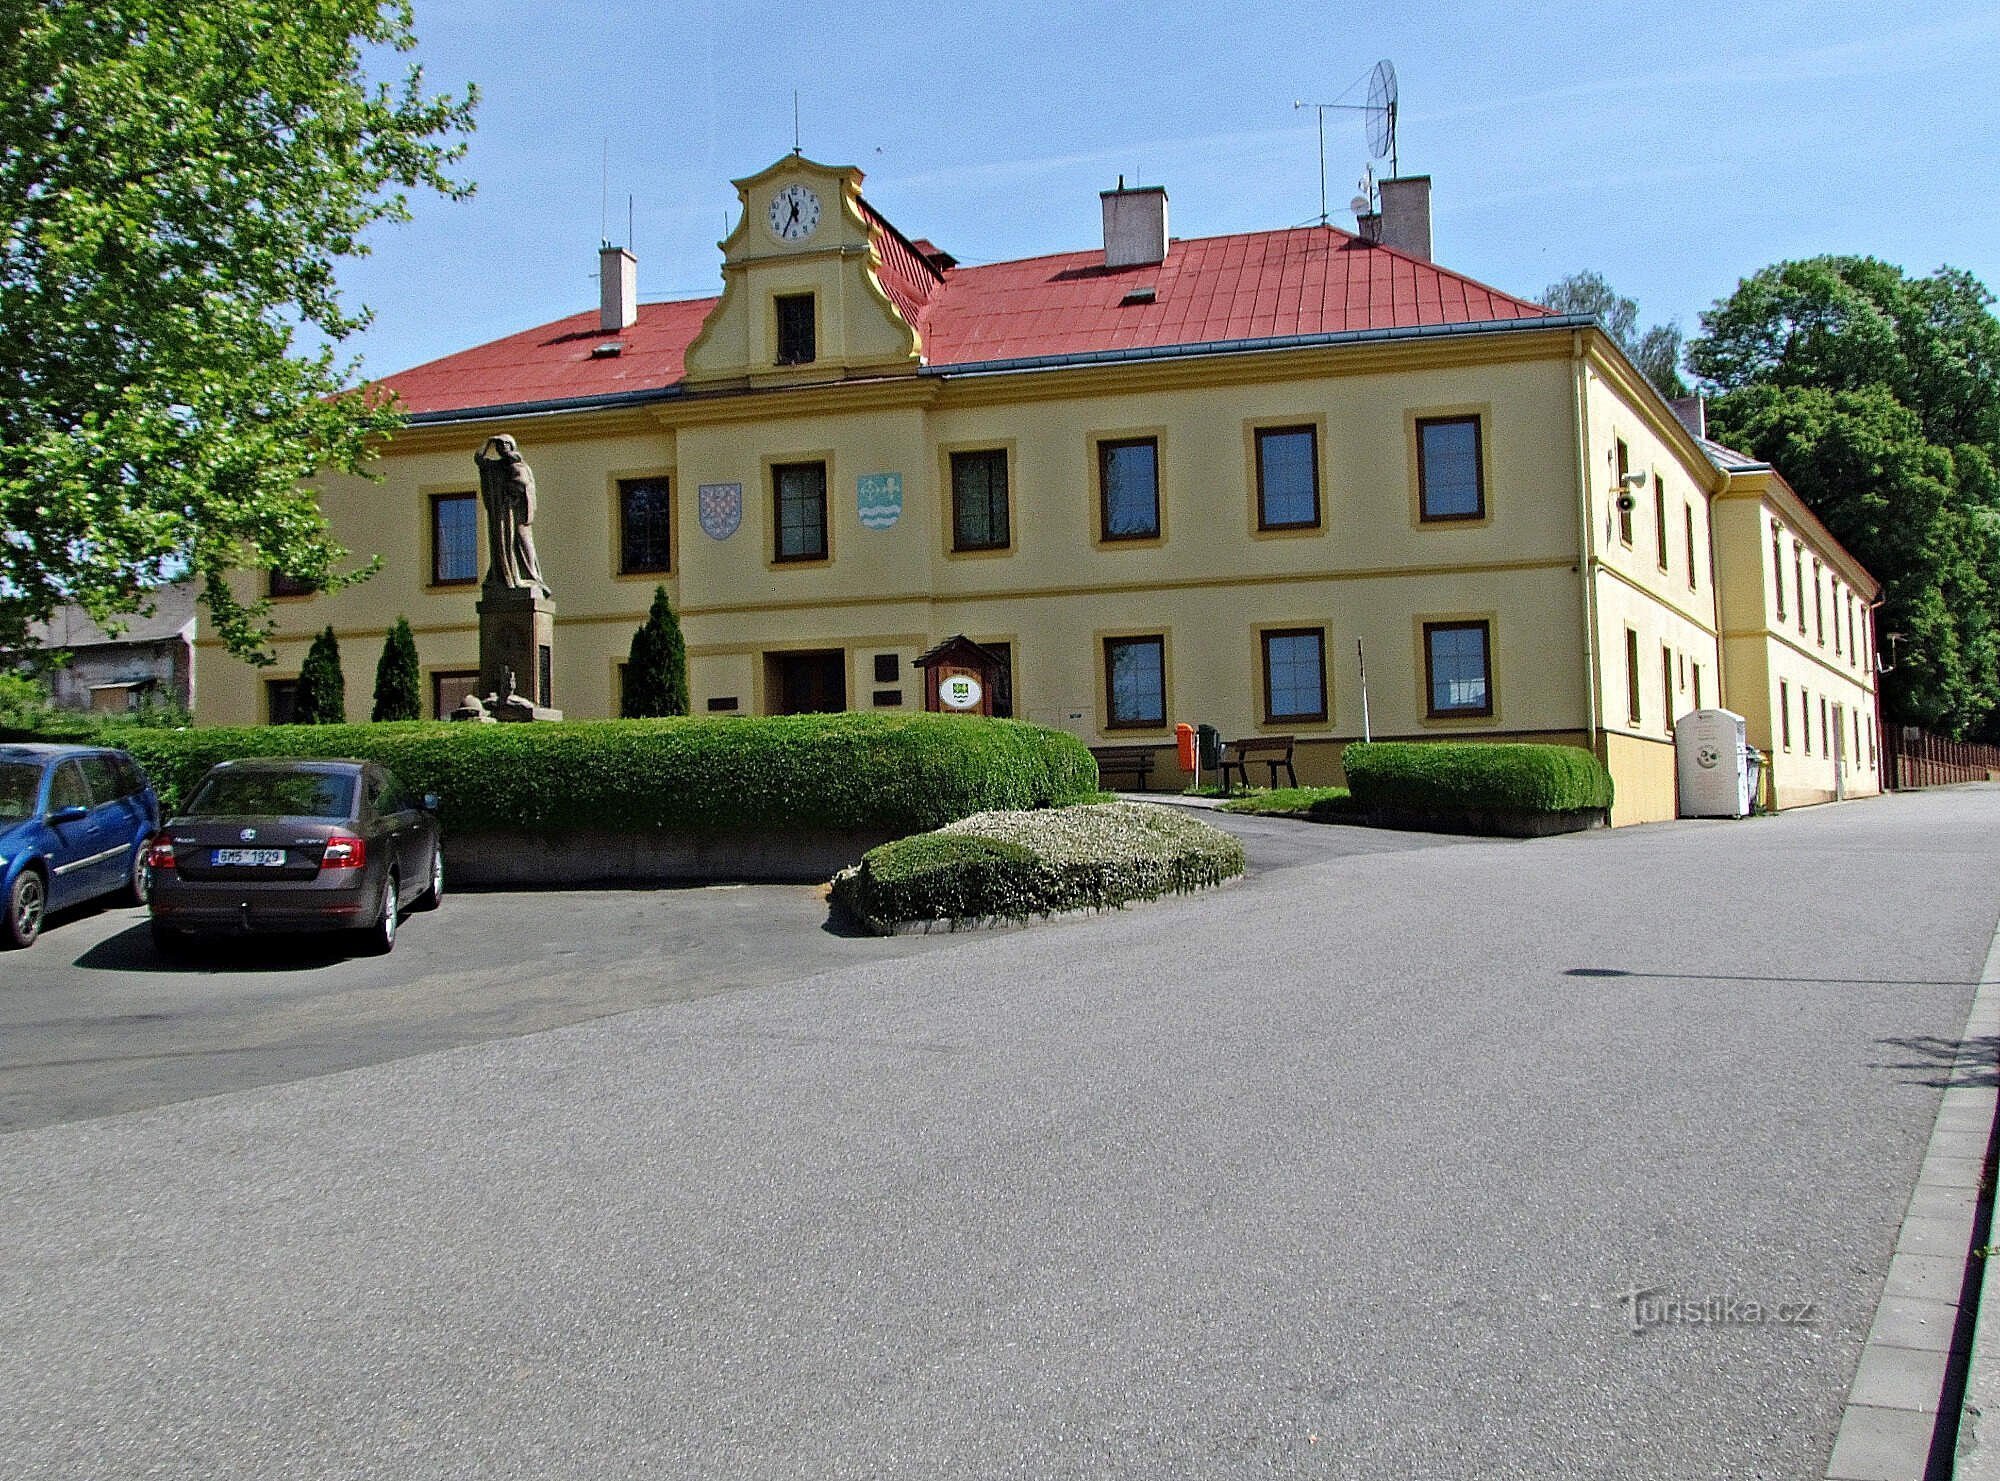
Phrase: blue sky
(1672, 148)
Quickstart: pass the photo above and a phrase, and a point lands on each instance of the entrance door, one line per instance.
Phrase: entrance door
(808, 683)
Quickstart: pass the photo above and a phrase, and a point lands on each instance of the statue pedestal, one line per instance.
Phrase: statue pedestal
(517, 632)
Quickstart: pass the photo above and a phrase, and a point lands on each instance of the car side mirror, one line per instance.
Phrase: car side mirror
(73, 813)
(432, 801)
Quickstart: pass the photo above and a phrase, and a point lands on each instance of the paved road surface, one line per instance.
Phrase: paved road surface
(1337, 1172)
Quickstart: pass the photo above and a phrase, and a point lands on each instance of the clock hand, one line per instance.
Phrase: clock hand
(794, 215)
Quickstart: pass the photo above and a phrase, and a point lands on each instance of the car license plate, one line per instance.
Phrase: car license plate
(269, 858)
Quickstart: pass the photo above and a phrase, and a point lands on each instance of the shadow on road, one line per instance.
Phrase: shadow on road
(132, 950)
(1752, 977)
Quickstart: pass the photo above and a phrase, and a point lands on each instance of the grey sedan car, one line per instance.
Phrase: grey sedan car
(283, 845)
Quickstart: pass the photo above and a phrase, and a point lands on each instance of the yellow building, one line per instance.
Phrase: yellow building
(1168, 479)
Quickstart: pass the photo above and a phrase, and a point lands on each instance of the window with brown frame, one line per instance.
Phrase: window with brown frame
(1697, 685)
(1632, 706)
(1799, 584)
(1660, 517)
(450, 686)
(454, 539)
(1785, 712)
(797, 342)
(1622, 497)
(1294, 674)
(645, 526)
(1825, 731)
(1819, 606)
(798, 503)
(1451, 474)
(281, 700)
(979, 500)
(1667, 688)
(282, 585)
(1287, 478)
(1693, 570)
(1135, 682)
(1128, 489)
(1778, 569)
(1805, 717)
(1458, 669)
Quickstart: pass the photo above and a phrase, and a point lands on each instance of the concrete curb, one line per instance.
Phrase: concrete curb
(1891, 1421)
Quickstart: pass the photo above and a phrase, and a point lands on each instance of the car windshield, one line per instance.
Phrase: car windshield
(273, 794)
(20, 783)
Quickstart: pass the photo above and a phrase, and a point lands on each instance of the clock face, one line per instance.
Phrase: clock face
(794, 213)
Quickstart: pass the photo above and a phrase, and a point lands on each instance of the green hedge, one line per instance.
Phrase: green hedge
(1011, 865)
(1452, 776)
(882, 773)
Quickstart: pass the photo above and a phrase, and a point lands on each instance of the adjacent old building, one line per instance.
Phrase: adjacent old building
(1161, 479)
(149, 661)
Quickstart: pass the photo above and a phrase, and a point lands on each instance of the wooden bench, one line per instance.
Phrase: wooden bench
(1136, 760)
(1274, 751)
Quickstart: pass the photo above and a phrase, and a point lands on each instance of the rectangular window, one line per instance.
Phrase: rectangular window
(1853, 643)
(1778, 569)
(1632, 710)
(449, 688)
(1135, 682)
(454, 539)
(1805, 718)
(1451, 478)
(888, 668)
(1688, 510)
(1855, 716)
(1294, 675)
(1799, 585)
(1785, 713)
(1660, 517)
(1287, 478)
(291, 586)
(645, 526)
(798, 501)
(796, 335)
(1819, 606)
(1667, 688)
(1871, 742)
(1825, 731)
(979, 500)
(1623, 496)
(1458, 668)
(1697, 686)
(1834, 591)
(1128, 489)
(281, 700)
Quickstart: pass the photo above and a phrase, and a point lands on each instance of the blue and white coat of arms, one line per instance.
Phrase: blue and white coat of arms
(878, 499)
(720, 506)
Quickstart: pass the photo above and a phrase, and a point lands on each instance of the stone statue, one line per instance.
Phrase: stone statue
(507, 487)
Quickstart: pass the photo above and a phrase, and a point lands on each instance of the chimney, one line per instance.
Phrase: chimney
(1406, 214)
(1135, 225)
(1368, 226)
(617, 289)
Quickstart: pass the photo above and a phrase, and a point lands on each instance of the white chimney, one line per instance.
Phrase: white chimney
(1406, 214)
(1135, 225)
(617, 289)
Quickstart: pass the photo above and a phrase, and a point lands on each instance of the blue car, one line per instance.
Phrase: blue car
(75, 823)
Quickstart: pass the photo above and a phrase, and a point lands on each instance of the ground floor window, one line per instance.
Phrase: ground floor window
(1458, 668)
(1135, 682)
(1294, 675)
(449, 687)
(281, 700)
(1785, 713)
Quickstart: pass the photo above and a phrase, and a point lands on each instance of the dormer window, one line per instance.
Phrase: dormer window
(796, 339)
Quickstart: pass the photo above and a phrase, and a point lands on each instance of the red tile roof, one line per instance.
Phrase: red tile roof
(1260, 285)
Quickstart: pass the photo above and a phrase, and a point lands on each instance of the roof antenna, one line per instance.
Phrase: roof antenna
(628, 226)
(604, 197)
(1381, 123)
(796, 149)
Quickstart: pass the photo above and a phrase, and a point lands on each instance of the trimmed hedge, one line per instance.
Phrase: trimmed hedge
(882, 773)
(1454, 776)
(1011, 865)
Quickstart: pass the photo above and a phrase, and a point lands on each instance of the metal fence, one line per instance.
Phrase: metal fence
(1916, 758)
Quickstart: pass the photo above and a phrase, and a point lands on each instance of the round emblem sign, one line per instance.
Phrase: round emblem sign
(1706, 758)
(960, 692)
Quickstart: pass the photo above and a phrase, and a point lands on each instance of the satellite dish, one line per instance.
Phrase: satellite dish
(1361, 205)
(1381, 111)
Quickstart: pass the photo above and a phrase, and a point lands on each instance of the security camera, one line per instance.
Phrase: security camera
(1626, 503)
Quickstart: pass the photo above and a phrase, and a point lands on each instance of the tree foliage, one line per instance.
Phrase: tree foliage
(1877, 397)
(322, 687)
(1656, 350)
(656, 678)
(398, 678)
(179, 182)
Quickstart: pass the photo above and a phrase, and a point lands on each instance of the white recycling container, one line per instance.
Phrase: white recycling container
(1712, 754)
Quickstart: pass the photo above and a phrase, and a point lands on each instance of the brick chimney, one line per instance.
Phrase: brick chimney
(617, 289)
(1406, 214)
(1135, 225)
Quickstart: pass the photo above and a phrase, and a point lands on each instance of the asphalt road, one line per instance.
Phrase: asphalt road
(1336, 1172)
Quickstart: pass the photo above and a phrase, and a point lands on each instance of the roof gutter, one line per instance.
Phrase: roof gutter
(1259, 345)
(514, 409)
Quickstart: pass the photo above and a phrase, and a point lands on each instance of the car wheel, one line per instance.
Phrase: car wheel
(380, 938)
(429, 899)
(170, 941)
(27, 905)
(139, 881)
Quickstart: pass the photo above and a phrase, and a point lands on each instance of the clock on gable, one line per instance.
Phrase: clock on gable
(794, 214)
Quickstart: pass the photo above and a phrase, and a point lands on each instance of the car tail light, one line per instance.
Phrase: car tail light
(343, 852)
(160, 854)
